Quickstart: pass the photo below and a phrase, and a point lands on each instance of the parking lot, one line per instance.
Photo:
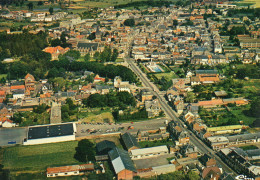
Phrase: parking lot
(91, 129)
(15, 135)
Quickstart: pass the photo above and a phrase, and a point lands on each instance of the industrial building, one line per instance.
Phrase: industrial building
(50, 133)
(149, 152)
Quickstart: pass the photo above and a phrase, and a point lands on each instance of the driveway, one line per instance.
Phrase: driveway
(12, 134)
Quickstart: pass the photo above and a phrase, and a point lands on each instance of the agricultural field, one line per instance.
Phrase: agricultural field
(37, 158)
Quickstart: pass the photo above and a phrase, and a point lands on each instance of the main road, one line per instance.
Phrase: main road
(172, 114)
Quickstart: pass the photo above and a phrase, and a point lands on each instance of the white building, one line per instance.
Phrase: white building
(69, 170)
(50, 133)
(149, 152)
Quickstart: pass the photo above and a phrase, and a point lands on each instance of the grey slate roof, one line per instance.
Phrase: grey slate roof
(105, 146)
(85, 45)
(129, 140)
(121, 160)
(242, 137)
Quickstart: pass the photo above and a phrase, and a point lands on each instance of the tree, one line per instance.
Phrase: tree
(190, 97)
(85, 151)
(114, 55)
(40, 3)
(254, 108)
(129, 22)
(87, 57)
(96, 55)
(30, 6)
(51, 10)
(92, 36)
(175, 23)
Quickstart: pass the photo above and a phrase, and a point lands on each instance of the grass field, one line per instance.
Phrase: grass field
(3, 76)
(168, 76)
(250, 147)
(96, 115)
(39, 157)
(255, 2)
(145, 144)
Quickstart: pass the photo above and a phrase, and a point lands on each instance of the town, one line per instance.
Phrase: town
(138, 90)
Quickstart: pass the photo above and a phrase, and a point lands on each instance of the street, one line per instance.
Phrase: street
(172, 115)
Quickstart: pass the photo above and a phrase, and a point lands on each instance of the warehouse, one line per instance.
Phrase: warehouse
(149, 152)
(122, 164)
(50, 133)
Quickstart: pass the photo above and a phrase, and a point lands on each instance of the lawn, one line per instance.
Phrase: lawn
(250, 147)
(145, 144)
(255, 2)
(3, 76)
(238, 112)
(96, 115)
(39, 157)
(168, 76)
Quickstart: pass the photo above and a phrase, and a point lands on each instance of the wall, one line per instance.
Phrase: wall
(63, 174)
(50, 140)
(125, 174)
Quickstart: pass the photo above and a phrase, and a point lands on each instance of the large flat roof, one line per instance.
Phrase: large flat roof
(149, 150)
(46, 131)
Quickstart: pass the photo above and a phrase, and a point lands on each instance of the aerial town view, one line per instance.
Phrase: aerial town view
(130, 89)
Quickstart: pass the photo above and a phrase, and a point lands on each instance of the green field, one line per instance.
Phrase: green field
(144, 144)
(168, 76)
(3, 76)
(39, 157)
(256, 3)
(250, 147)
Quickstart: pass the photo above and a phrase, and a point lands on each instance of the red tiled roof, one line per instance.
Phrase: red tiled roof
(2, 93)
(72, 168)
(211, 102)
(17, 87)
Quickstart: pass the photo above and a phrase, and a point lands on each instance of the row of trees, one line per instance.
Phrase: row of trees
(112, 99)
(152, 4)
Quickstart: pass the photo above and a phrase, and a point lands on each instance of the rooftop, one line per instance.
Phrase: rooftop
(46, 131)
(149, 150)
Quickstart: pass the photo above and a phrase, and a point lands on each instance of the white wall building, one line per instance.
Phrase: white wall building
(149, 152)
(50, 133)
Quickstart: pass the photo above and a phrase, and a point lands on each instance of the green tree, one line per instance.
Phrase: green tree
(85, 151)
(114, 55)
(30, 6)
(87, 57)
(40, 3)
(254, 108)
(51, 10)
(129, 22)
(190, 97)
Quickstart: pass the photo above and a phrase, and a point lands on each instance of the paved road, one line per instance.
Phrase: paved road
(12, 134)
(172, 114)
(113, 128)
